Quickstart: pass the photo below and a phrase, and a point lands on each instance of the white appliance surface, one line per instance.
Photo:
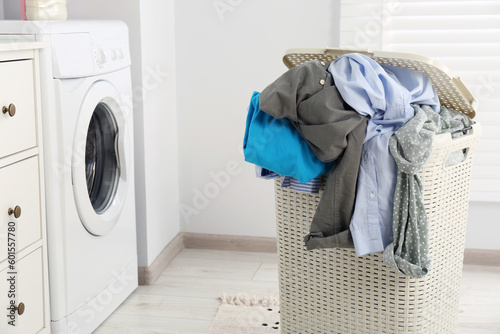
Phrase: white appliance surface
(86, 84)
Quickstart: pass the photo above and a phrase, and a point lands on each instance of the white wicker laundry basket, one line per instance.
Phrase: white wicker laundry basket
(335, 291)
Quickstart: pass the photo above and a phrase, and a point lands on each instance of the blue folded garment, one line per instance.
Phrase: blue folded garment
(276, 145)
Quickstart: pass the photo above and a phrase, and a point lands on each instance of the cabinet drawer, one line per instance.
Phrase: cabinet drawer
(28, 290)
(17, 132)
(19, 184)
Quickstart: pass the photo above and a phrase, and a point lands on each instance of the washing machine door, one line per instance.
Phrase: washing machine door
(102, 145)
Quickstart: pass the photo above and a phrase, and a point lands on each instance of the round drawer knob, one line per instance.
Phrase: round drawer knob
(20, 308)
(11, 110)
(16, 211)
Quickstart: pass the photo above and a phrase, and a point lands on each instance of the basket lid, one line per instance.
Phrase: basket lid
(452, 92)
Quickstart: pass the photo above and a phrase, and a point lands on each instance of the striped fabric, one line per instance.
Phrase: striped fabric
(266, 174)
(311, 187)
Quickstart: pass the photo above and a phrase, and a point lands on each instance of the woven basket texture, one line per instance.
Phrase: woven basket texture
(334, 291)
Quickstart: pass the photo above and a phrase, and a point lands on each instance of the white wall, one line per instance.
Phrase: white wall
(11, 10)
(223, 54)
(160, 124)
(221, 57)
(483, 226)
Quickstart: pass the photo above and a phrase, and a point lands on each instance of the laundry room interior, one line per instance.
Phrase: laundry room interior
(176, 228)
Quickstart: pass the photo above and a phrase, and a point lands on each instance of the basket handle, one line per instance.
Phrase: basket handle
(463, 143)
(339, 52)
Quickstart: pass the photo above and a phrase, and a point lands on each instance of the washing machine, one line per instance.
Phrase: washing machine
(87, 124)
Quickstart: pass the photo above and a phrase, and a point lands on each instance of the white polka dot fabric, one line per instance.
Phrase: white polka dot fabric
(411, 146)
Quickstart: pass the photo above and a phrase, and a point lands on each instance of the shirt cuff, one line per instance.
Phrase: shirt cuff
(367, 241)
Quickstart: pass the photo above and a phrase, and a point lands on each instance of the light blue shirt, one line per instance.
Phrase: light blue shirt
(384, 93)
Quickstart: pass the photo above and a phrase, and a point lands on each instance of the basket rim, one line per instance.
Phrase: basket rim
(452, 83)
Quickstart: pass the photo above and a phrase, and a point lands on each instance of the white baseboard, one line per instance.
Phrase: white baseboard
(230, 242)
(485, 257)
(148, 275)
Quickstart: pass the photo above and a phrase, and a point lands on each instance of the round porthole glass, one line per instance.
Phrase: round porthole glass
(102, 168)
(100, 164)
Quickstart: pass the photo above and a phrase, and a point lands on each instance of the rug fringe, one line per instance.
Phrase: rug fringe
(244, 300)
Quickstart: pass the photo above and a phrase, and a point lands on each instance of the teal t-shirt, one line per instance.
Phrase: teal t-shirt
(276, 145)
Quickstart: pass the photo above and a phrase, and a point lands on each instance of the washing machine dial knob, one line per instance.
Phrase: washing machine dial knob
(100, 57)
(119, 53)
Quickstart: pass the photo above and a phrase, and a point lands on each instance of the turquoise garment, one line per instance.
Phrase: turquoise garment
(276, 145)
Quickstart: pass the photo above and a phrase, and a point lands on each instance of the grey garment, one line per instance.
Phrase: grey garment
(330, 225)
(306, 95)
(455, 122)
(411, 146)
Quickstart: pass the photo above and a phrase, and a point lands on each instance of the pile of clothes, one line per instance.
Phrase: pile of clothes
(367, 128)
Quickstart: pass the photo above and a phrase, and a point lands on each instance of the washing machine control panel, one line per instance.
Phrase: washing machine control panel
(111, 50)
(78, 55)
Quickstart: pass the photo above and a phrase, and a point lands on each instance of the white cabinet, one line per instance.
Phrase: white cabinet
(18, 131)
(29, 291)
(24, 295)
(20, 187)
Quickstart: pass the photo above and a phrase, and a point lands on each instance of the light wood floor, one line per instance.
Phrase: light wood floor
(184, 298)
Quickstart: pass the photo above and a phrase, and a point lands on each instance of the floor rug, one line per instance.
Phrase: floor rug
(241, 314)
